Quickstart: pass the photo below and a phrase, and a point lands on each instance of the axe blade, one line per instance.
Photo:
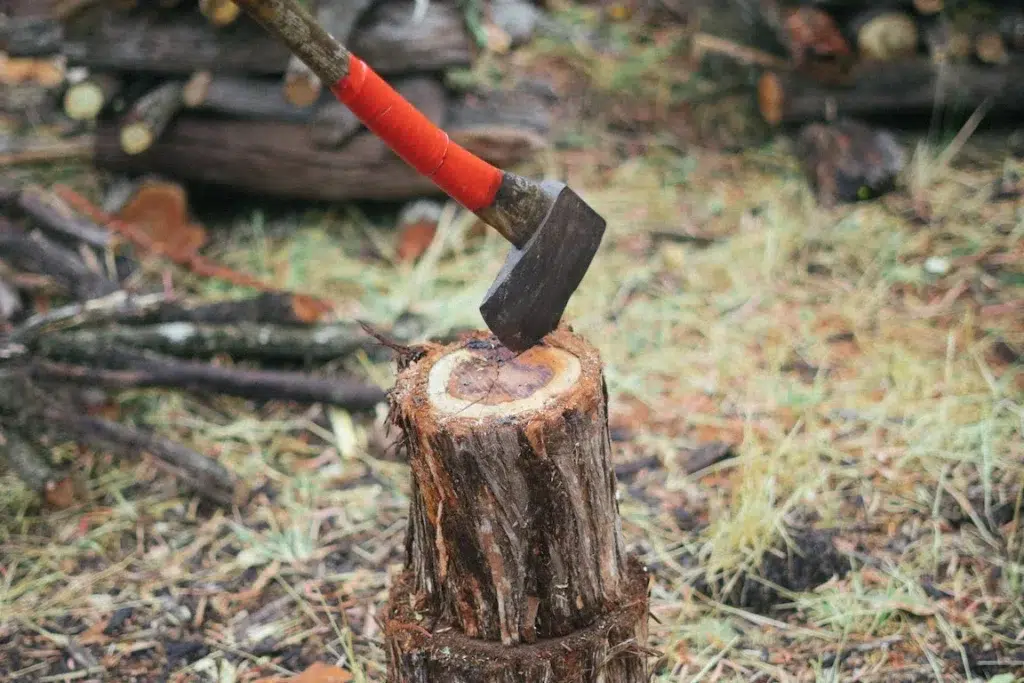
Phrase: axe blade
(528, 296)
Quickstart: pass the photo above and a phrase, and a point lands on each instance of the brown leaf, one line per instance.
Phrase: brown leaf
(414, 239)
(160, 211)
(319, 672)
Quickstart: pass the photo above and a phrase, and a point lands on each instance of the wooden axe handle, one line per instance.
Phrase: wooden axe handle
(466, 178)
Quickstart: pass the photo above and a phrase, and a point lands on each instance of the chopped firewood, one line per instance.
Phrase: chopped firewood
(242, 98)
(884, 35)
(10, 301)
(43, 72)
(301, 86)
(121, 368)
(509, 123)
(32, 252)
(849, 161)
(281, 159)
(219, 12)
(990, 48)
(239, 340)
(29, 403)
(946, 42)
(28, 461)
(149, 116)
(83, 101)
(928, 7)
(175, 44)
(908, 86)
(51, 213)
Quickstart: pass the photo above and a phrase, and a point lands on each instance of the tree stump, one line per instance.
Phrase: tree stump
(516, 568)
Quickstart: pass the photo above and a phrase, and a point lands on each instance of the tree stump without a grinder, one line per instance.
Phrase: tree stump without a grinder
(516, 568)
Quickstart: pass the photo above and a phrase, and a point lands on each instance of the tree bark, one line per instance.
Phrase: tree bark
(180, 44)
(910, 87)
(514, 550)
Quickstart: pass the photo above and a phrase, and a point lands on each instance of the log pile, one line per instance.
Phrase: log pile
(195, 90)
(73, 322)
(879, 58)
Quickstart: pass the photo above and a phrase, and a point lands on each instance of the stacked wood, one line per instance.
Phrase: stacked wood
(895, 55)
(198, 91)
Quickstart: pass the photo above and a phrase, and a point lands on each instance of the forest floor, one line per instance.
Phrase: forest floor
(817, 419)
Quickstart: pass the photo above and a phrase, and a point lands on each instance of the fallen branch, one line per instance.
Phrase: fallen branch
(53, 214)
(30, 404)
(275, 308)
(237, 340)
(90, 312)
(123, 368)
(28, 461)
(80, 148)
(35, 253)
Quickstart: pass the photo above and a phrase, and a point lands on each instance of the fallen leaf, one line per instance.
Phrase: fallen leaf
(160, 210)
(414, 239)
(319, 672)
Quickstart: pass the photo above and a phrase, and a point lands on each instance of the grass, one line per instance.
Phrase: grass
(860, 388)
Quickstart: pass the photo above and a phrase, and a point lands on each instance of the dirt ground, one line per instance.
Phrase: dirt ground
(817, 420)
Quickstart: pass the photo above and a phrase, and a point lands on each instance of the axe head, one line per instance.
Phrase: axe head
(533, 287)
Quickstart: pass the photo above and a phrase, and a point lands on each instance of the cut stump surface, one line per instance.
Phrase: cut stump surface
(514, 546)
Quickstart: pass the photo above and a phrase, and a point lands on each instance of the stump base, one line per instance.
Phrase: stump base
(611, 649)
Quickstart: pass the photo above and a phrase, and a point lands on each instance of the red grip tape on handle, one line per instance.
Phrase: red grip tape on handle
(467, 179)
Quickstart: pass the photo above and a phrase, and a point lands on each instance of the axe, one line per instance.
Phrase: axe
(553, 232)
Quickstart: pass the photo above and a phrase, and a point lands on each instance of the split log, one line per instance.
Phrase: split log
(282, 159)
(514, 549)
(239, 340)
(884, 35)
(239, 97)
(928, 7)
(910, 87)
(53, 214)
(32, 405)
(990, 48)
(83, 101)
(118, 367)
(149, 117)
(152, 41)
(34, 253)
(219, 12)
(28, 461)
